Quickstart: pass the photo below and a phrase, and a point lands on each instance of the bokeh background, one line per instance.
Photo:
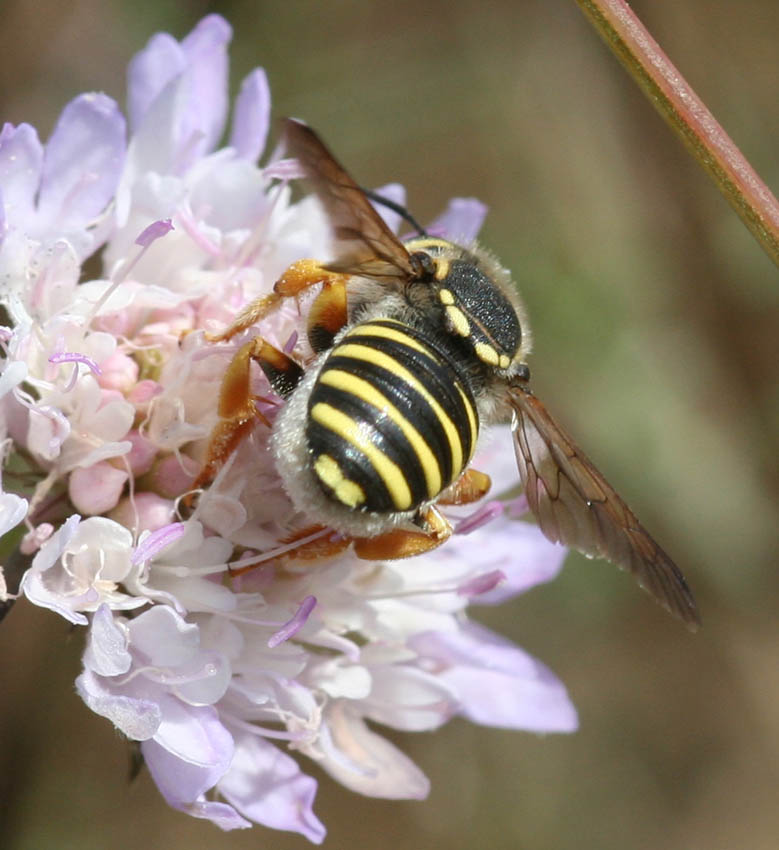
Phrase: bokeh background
(656, 320)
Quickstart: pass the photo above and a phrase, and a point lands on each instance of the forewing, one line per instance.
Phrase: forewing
(366, 245)
(575, 505)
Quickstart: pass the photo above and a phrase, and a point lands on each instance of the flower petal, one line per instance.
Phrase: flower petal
(149, 71)
(406, 698)
(461, 221)
(499, 684)
(365, 762)
(206, 51)
(268, 786)
(220, 814)
(21, 161)
(189, 753)
(13, 509)
(135, 717)
(251, 116)
(83, 161)
(106, 653)
(516, 548)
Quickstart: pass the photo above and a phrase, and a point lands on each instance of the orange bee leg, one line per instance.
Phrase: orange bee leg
(328, 314)
(469, 487)
(251, 314)
(302, 275)
(296, 279)
(400, 543)
(237, 410)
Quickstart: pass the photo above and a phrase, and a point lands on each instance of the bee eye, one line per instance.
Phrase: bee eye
(423, 263)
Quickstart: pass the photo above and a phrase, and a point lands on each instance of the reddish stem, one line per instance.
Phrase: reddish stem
(685, 112)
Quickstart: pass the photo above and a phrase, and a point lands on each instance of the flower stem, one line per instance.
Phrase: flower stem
(688, 116)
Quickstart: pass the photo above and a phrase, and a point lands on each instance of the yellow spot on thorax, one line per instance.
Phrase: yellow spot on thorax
(486, 353)
(441, 268)
(459, 321)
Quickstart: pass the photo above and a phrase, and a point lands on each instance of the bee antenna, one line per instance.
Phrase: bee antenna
(397, 208)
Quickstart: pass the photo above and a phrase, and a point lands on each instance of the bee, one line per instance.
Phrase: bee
(418, 345)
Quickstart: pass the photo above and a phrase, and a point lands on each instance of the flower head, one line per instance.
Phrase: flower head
(108, 394)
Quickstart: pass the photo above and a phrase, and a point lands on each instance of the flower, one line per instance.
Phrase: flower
(108, 395)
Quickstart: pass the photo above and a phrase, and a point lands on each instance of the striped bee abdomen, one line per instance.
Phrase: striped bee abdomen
(391, 419)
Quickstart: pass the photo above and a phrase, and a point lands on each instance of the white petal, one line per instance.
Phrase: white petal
(268, 786)
(409, 699)
(21, 160)
(13, 509)
(365, 762)
(251, 116)
(106, 652)
(139, 719)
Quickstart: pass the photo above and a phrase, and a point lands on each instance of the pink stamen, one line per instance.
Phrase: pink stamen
(485, 514)
(75, 357)
(157, 541)
(481, 584)
(293, 626)
(198, 237)
(156, 230)
(290, 344)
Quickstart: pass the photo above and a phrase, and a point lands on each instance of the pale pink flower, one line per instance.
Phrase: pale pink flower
(108, 392)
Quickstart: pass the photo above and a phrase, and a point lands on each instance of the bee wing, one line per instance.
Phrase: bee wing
(575, 505)
(368, 246)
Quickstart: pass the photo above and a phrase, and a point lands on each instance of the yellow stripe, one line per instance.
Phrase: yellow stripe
(365, 391)
(349, 430)
(421, 242)
(371, 355)
(471, 419)
(394, 335)
(350, 493)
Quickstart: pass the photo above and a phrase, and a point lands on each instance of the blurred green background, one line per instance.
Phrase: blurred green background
(656, 320)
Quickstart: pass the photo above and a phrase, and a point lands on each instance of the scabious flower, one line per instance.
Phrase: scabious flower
(108, 396)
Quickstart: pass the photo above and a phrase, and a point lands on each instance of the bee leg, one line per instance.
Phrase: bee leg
(303, 274)
(251, 314)
(237, 410)
(469, 487)
(297, 278)
(328, 314)
(400, 543)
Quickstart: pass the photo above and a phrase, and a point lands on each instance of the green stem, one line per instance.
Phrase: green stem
(685, 112)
